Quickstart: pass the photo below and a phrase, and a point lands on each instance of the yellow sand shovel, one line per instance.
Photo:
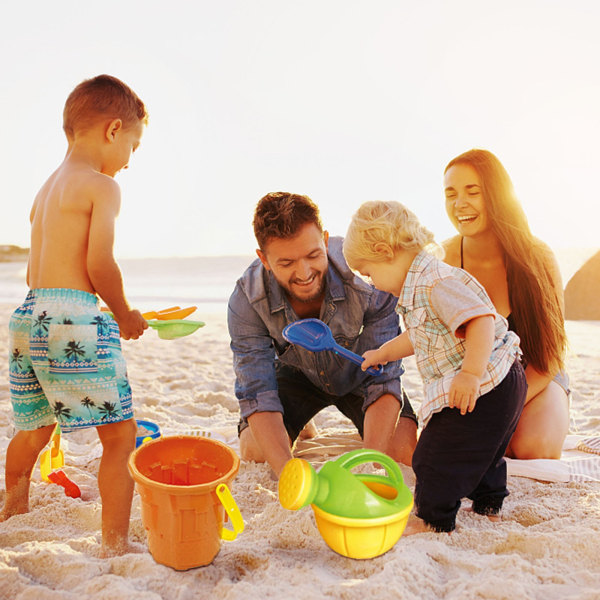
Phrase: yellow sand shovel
(53, 458)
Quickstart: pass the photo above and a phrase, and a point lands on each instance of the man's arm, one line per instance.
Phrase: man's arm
(256, 385)
(270, 438)
(103, 271)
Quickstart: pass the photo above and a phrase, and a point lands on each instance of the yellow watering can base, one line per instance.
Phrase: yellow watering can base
(358, 515)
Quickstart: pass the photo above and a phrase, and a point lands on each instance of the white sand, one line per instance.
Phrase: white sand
(546, 547)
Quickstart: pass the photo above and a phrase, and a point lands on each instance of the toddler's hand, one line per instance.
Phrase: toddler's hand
(463, 392)
(132, 325)
(372, 358)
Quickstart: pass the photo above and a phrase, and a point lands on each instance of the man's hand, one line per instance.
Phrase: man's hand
(131, 324)
(463, 392)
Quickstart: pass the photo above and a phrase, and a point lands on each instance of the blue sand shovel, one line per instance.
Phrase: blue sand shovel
(314, 335)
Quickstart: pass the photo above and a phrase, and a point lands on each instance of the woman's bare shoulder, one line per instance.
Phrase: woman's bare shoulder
(451, 248)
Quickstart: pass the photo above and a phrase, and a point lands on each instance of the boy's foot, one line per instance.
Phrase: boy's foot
(416, 525)
(6, 513)
(493, 518)
(310, 431)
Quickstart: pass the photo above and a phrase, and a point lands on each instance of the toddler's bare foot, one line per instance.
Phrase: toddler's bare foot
(493, 518)
(416, 525)
(310, 431)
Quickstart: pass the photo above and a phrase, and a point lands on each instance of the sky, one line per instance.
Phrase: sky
(343, 100)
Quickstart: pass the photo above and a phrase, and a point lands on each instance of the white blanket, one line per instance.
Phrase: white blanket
(580, 461)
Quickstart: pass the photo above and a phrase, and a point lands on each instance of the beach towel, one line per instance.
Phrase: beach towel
(579, 461)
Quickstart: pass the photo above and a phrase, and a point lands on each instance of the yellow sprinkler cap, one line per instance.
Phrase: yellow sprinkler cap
(296, 483)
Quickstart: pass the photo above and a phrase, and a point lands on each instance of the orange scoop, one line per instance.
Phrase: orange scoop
(168, 314)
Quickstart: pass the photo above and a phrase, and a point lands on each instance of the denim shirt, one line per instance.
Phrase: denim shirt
(360, 317)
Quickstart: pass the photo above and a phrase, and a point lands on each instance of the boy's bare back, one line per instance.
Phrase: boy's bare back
(60, 226)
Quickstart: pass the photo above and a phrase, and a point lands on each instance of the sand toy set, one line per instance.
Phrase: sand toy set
(183, 483)
(358, 515)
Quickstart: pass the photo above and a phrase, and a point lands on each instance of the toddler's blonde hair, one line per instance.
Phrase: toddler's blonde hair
(379, 225)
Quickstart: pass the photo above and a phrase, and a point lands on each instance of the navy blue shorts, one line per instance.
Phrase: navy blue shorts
(302, 400)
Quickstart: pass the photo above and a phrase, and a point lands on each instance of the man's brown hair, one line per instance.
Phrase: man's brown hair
(281, 215)
(102, 97)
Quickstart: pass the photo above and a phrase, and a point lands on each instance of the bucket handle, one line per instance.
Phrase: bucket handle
(233, 512)
(362, 455)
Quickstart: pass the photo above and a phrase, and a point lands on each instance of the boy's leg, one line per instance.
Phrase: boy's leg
(115, 484)
(21, 456)
(486, 500)
(455, 453)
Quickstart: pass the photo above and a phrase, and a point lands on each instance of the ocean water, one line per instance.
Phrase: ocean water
(156, 283)
(205, 282)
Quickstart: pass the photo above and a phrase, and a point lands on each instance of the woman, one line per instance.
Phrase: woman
(521, 276)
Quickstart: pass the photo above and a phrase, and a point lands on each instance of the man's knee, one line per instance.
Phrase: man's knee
(404, 441)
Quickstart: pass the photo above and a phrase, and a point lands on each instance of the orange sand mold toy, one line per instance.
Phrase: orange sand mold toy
(358, 516)
(182, 481)
(54, 459)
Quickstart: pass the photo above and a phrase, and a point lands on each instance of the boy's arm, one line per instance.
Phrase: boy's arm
(394, 349)
(103, 271)
(479, 342)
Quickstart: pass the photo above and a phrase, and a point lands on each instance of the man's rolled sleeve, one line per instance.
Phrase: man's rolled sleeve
(382, 324)
(253, 358)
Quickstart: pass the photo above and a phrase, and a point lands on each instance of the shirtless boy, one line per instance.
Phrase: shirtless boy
(66, 364)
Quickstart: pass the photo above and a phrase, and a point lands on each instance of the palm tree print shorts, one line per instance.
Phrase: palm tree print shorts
(65, 362)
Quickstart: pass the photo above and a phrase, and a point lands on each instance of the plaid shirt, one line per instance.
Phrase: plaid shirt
(436, 302)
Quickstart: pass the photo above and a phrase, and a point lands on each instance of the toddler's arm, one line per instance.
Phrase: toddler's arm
(103, 270)
(394, 349)
(479, 341)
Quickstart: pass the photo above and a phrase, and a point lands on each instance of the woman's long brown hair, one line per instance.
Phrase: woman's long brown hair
(534, 302)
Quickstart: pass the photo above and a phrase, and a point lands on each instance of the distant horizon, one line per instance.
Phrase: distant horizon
(373, 107)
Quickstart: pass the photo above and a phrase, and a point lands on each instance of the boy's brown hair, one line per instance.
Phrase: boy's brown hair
(102, 97)
(281, 215)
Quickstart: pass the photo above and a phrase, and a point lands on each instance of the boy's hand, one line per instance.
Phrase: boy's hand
(373, 358)
(131, 324)
(463, 392)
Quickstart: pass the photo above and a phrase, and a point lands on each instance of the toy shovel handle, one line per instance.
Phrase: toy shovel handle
(233, 512)
(361, 456)
(355, 358)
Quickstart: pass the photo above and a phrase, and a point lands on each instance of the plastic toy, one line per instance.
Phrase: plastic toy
(54, 459)
(169, 323)
(183, 485)
(166, 314)
(149, 431)
(71, 489)
(174, 328)
(314, 335)
(358, 515)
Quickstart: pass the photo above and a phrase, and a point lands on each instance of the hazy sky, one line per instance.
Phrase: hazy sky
(343, 100)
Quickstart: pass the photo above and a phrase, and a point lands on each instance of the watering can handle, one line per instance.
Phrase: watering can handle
(361, 456)
(233, 512)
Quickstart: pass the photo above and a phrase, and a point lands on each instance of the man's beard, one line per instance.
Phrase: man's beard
(305, 299)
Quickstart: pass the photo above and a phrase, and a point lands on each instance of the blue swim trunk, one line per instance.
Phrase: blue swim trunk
(65, 363)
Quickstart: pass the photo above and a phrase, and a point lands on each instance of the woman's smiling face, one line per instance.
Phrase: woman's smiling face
(465, 204)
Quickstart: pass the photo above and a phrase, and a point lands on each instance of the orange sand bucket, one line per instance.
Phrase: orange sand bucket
(182, 481)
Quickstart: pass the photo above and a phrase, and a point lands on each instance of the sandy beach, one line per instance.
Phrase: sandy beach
(546, 546)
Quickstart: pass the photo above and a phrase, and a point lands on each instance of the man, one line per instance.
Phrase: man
(280, 387)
